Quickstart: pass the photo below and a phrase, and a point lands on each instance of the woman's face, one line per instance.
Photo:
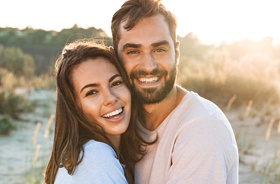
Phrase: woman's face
(102, 95)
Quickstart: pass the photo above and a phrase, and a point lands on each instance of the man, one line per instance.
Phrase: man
(196, 143)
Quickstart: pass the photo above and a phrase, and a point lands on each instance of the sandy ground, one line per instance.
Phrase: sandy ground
(18, 151)
(259, 147)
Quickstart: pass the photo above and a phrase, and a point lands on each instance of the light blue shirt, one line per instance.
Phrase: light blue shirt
(99, 165)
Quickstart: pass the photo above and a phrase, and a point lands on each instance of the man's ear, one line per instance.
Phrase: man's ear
(177, 52)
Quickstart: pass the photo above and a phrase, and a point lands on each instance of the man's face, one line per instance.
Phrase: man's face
(149, 57)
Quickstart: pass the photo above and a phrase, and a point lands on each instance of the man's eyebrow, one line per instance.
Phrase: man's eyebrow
(163, 42)
(156, 44)
(131, 45)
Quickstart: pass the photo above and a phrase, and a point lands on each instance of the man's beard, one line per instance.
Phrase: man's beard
(154, 95)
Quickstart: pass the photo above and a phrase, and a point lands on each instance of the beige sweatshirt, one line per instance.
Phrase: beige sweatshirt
(196, 146)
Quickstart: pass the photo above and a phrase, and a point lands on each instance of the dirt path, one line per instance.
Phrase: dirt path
(18, 150)
(258, 141)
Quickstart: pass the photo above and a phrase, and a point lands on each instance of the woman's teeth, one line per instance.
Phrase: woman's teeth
(114, 113)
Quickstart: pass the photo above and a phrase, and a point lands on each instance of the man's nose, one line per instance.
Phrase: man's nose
(148, 62)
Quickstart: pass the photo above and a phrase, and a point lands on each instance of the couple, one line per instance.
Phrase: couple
(103, 135)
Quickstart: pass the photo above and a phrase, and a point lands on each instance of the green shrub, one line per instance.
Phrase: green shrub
(6, 125)
(13, 105)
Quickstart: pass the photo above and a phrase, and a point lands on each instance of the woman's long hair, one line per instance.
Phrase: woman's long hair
(72, 129)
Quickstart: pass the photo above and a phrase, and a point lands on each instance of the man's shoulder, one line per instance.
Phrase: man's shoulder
(192, 101)
(195, 109)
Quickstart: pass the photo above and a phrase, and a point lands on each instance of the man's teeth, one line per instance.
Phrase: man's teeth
(114, 113)
(148, 80)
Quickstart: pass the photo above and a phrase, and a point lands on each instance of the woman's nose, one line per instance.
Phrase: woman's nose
(110, 98)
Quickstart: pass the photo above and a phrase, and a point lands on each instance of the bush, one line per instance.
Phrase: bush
(6, 125)
(13, 105)
(219, 77)
(244, 89)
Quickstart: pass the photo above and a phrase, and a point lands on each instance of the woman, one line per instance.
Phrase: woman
(95, 130)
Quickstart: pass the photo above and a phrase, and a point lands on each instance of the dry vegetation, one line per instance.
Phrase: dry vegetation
(221, 77)
(9, 81)
(246, 87)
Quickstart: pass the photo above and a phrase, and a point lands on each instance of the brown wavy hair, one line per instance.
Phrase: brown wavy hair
(72, 130)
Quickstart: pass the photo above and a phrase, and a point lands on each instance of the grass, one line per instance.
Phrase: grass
(259, 151)
(35, 174)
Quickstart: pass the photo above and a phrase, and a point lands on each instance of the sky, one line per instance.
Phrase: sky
(212, 21)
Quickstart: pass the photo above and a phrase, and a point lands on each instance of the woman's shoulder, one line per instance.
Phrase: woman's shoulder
(97, 148)
(99, 165)
(99, 161)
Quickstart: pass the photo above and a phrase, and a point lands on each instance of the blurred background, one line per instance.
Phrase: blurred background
(230, 54)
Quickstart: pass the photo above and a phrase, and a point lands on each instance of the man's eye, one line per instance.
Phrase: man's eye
(132, 52)
(91, 92)
(160, 50)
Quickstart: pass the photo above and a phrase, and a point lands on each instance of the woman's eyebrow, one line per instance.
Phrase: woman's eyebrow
(89, 85)
(95, 85)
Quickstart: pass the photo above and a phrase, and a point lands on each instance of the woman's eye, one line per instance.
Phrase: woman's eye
(91, 92)
(117, 83)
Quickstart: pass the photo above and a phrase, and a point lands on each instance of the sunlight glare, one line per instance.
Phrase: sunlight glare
(212, 21)
(227, 21)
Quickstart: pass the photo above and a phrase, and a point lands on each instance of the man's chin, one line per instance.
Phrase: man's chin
(149, 96)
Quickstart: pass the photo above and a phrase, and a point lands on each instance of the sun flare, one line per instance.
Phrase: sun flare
(212, 21)
(226, 21)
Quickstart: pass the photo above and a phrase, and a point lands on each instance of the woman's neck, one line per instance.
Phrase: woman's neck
(115, 139)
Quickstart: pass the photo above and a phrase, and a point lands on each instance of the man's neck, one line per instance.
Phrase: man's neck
(156, 113)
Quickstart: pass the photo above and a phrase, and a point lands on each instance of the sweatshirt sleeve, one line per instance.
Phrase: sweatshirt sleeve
(204, 152)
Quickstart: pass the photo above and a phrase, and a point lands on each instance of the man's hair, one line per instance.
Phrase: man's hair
(133, 11)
